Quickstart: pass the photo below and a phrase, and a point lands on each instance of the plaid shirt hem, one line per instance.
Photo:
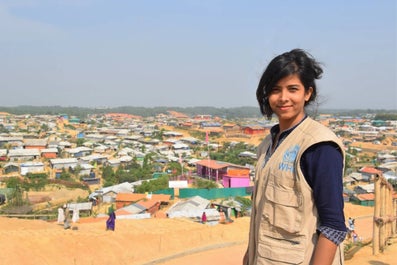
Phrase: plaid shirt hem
(334, 235)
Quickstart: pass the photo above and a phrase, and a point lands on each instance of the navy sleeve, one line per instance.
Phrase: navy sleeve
(322, 166)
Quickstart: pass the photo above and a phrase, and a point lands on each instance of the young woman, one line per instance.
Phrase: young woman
(297, 207)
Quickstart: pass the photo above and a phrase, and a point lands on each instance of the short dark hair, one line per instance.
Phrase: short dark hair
(296, 61)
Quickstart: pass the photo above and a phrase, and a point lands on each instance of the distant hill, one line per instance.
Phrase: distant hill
(81, 112)
(227, 113)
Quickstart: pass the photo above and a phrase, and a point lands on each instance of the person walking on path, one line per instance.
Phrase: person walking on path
(75, 215)
(203, 218)
(351, 224)
(61, 216)
(66, 223)
(111, 221)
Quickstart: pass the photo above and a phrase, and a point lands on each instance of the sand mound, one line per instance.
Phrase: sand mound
(145, 241)
(133, 242)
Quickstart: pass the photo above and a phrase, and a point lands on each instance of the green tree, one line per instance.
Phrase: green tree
(205, 184)
(16, 198)
(230, 153)
(158, 134)
(109, 176)
(80, 141)
(245, 202)
(348, 163)
(143, 148)
(13, 182)
(36, 181)
(3, 129)
(153, 185)
(175, 168)
(76, 171)
(124, 175)
(44, 127)
(65, 175)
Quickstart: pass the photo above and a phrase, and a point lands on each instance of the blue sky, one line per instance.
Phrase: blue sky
(96, 53)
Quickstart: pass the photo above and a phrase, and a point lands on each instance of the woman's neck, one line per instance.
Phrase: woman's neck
(288, 124)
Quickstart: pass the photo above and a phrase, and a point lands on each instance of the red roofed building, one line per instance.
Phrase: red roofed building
(231, 175)
(150, 205)
(369, 173)
(124, 199)
(366, 199)
(254, 130)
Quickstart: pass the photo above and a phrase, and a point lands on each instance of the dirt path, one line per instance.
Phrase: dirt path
(232, 254)
(227, 253)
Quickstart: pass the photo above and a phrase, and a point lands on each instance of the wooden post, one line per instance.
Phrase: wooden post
(382, 235)
(375, 243)
(384, 214)
(389, 212)
(394, 212)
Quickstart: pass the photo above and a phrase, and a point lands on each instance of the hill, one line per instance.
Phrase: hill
(150, 241)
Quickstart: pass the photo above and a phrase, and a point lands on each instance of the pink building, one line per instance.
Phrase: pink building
(230, 175)
(236, 181)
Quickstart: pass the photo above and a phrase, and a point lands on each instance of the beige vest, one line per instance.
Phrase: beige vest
(284, 217)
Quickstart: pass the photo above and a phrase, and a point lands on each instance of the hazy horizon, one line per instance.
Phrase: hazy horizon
(186, 107)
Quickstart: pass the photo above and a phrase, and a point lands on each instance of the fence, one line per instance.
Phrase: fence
(170, 191)
(384, 214)
(31, 216)
(209, 194)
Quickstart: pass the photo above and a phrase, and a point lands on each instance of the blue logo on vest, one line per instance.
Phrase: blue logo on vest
(289, 158)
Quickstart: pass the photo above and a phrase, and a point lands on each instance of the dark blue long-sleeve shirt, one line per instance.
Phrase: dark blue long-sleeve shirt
(322, 166)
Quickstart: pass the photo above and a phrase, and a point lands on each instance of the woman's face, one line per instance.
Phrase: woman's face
(287, 100)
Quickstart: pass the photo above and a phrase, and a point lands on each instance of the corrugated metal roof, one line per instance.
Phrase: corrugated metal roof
(193, 204)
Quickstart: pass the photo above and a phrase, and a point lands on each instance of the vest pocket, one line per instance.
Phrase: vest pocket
(273, 250)
(282, 208)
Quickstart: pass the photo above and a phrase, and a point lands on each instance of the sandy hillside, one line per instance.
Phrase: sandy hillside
(133, 242)
(152, 241)
(54, 197)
